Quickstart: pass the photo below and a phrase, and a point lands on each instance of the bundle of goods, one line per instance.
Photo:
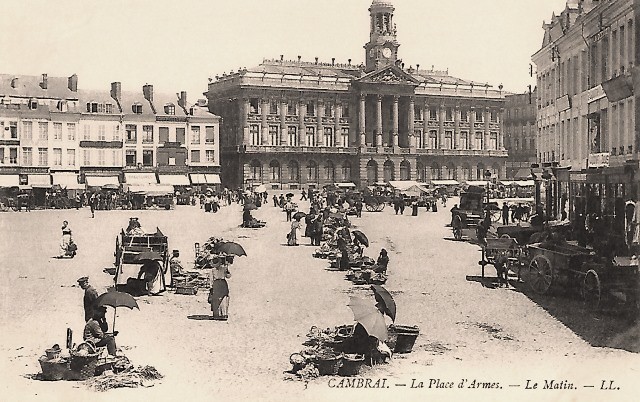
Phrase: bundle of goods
(54, 366)
(191, 282)
(366, 276)
(129, 378)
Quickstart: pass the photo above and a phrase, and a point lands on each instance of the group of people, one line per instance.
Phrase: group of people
(96, 329)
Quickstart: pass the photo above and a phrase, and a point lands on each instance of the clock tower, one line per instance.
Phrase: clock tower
(382, 49)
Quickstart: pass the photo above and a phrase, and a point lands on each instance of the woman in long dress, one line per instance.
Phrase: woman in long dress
(66, 238)
(219, 293)
(293, 234)
(151, 273)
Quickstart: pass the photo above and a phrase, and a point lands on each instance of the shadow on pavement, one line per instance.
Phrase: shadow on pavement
(200, 317)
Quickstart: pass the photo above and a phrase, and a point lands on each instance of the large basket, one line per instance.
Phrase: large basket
(53, 370)
(351, 365)
(84, 365)
(402, 338)
(329, 365)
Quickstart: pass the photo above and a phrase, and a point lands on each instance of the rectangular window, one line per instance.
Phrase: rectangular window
(417, 113)
(71, 132)
(1, 155)
(311, 109)
(147, 135)
(292, 108)
(116, 132)
(101, 133)
(328, 109)
(479, 140)
(433, 113)
(86, 132)
(27, 156)
(448, 114)
(13, 156)
(209, 155)
(273, 107)
(448, 139)
(163, 135)
(43, 157)
(147, 157)
(43, 129)
(310, 136)
(464, 140)
(57, 157)
(417, 134)
(195, 134)
(253, 106)
(328, 137)
(433, 139)
(480, 116)
(292, 132)
(195, 156)
(493, 140)
(101, 157)
(345, 110)
(86, 157)
(132, 132)
(116, 156)
(254, 131)
(13, 130)
(130, 157)
(180, 135)
(344, 137)
(464, 116)
(209, 134)
(27, 130)
(494, 116)
(108, 108)
(57, 131)
(274, 135)
(71, 157)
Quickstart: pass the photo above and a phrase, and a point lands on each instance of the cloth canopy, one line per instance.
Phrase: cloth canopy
(140, 178)
(67, 180)
(345, 185)
(39, 180)
(99, 181)
(197, 178)
(151, 189)
(480, 183)
(9, 180)
(416, 190)
(402, 184)
(524, 183)
(445, 182)
(212, 178)
(175, 179)
(523, 173)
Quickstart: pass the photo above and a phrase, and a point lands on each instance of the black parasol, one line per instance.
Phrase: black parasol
(385, 300)
(362, 238)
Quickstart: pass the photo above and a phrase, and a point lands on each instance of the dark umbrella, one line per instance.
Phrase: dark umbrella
(115, 300)
(362, 238)
(289, 194)
(250, 207)
(148, 256)
(229, 247)
(299, 215)
(384, 298)
(369, 317)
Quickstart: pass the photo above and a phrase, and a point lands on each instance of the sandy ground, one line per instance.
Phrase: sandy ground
(468, 331)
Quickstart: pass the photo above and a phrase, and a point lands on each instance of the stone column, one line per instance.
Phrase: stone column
(394, 132)
(501, 132)
(379, 120)
(302, 129)
(264, 130)
(441, 117)
(425, 125)
(337, 113)
(487, 136)
(284, 140)
(411, 120)
(456, 127)
(472, 130)
(246, 140)
(319, 130)
(361, 121)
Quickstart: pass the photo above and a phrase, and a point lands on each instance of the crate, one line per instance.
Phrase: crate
(186, 290)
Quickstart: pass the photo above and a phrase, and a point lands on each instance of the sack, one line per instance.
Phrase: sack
(72, 247)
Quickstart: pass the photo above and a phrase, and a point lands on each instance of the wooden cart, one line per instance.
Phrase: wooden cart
(507, 247)
(556, 263)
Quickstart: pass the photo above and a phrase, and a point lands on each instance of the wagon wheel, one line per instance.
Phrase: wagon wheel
(591, 289)
(496, 216)
(505, 236)
(370, 208)
(457, 233)
(380, 207)
(540, 274)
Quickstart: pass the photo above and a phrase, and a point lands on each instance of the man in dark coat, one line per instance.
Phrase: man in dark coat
(505, 214)
(90, 296)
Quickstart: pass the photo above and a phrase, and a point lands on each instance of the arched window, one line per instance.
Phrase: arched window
(387, 170)
(294, 172)
(256, 170)
(450, 172)
(420, 172)
(330, 172)
(466, 172)
(480, 171)
(372, 172)
(274, 171)
(312, 171)
(405, 170)
(436, 174)
(346, 171)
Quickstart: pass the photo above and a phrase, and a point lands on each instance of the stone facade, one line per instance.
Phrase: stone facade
(520, 132)
(297, 124)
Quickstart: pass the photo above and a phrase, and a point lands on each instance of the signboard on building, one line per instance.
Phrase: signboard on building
(599, 160)
(595, 93)
(563, 103)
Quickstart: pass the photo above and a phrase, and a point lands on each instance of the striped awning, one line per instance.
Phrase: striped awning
(39, 180)
(9, 180)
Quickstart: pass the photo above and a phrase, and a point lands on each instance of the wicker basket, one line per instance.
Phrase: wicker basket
(351, 365)
(402, 338)
(329, 365)
(186, 290)
(53, 370)
(84, 365)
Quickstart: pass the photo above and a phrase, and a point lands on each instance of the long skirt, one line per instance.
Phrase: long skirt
(219, 298)
(64, 243)
(154, 282)
(207, 207)
(292, 238)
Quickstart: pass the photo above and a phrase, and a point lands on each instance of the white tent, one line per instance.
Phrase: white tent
(403, 184)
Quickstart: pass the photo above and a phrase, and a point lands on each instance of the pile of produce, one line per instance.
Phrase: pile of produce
(130, 378)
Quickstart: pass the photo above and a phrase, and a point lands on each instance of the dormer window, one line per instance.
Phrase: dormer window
(62, 106)
(170, 109)
(108, 108)
(33, 104)
(137, 108)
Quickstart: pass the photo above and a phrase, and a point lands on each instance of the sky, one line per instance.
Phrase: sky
(179, 45)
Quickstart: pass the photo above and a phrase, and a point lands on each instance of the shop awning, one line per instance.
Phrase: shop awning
(39, 180)
(524, 183)
(212, 178)
(197, 178)
(175, 179)
(402, 184)
(445, 183)
(523, 173)
(151, 189)
(478, 183)
(345, 185)
(140, 178)
(9, 180)
(99, 181)
(506, 182)
(67, 180)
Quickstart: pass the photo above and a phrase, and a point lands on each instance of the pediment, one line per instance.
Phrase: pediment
(389, 75)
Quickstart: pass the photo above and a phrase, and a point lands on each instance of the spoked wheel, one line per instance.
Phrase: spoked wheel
(496, 216)
(540, 274)
(380, 207)
(457, 234)
(370, 208)
(591, 289)
(505, 236)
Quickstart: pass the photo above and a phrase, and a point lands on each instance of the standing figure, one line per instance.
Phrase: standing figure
(66, 239)
(317, 230)
(304, 195)
(176, 267)
(382, 262)
(414, 208)
(505, 214)
(293, 234)
(275, 200)
(359, 208)
(219, 292)
(90, 296)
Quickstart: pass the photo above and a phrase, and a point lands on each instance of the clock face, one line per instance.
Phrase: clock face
(386, 52)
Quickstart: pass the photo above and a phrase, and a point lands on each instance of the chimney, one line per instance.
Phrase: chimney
(333, 61)
(299, 58)
(14, 82)
(182, 100)
(147, 91)
(72, 83)
(349, 61)
(44, 82)
(316, 60)
(417, 67)
(116, 90)
(281, 58)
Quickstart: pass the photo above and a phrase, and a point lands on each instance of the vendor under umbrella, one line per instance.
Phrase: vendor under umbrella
(95, 331)
(151, 272)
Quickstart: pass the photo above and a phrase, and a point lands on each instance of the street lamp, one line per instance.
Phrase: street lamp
(487, 178)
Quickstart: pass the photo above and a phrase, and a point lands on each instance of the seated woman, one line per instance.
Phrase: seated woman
(134, 228)
(382, 263)
(151, 271)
